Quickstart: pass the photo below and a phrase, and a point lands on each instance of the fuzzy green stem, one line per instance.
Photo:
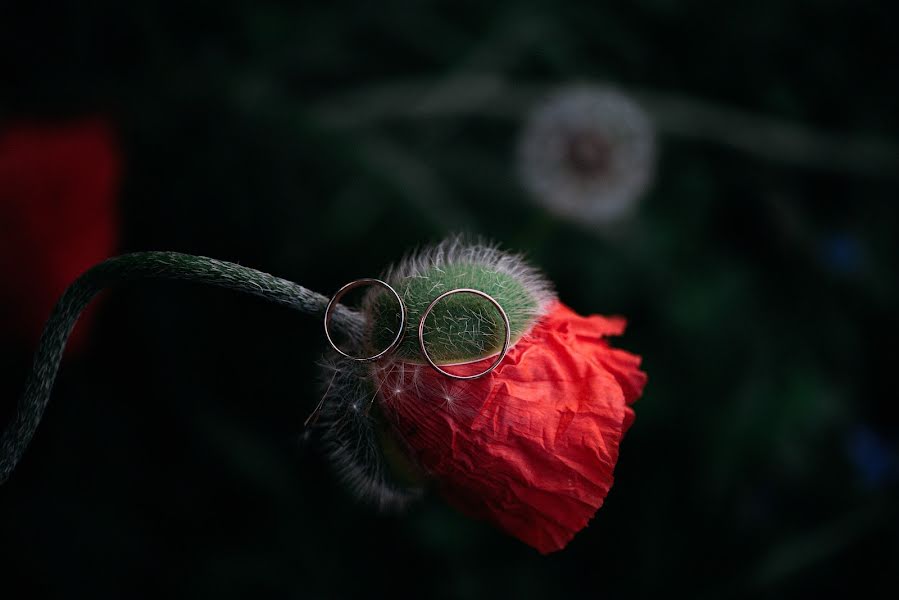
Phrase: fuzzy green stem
(142, 266)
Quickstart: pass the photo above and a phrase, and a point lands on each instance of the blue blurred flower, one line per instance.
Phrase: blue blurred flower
(842, 253)
(873, 456)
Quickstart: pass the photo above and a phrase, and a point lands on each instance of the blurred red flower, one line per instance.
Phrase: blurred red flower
(532, 446)
(58, 187)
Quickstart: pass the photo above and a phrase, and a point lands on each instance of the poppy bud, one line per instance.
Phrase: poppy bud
(531, 446)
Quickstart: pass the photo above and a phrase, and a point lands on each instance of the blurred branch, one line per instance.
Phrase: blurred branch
(143, 266)
(675, 115)
(804, 550)
(416, 181)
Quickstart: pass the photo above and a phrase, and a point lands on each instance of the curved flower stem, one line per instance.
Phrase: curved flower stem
(143, 266)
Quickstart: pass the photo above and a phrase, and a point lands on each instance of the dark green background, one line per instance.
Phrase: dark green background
(761, 292)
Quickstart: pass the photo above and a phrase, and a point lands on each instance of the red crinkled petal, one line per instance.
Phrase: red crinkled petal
(532, 446)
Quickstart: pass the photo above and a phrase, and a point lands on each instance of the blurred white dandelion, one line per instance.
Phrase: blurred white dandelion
(588, 154)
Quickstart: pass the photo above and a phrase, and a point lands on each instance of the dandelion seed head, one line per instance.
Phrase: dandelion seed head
(587, 154)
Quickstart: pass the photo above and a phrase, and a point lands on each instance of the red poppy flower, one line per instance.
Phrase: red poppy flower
(532, 446)
(57, 215)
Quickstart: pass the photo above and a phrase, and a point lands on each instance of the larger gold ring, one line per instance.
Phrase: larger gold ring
(506, 342)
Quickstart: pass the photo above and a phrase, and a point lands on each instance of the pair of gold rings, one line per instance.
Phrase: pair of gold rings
(332, 304)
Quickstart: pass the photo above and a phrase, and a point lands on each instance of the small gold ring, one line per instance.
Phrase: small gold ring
(351, 286)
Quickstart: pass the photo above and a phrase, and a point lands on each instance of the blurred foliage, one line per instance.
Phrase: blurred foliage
(762, 296)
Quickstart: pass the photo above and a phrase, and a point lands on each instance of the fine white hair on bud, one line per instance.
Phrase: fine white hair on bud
(461, 250)
(462, 327)
(355, 439)
(587, 154)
